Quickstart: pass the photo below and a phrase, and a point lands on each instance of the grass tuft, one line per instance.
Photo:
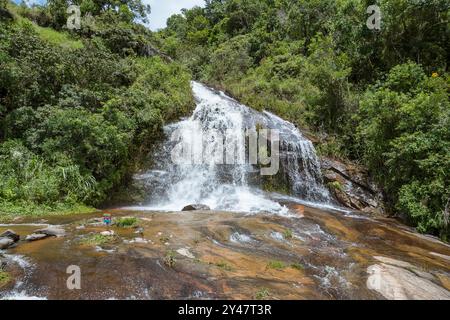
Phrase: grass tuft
(169, 259)
(277, 265)
(288, 234)
(4, 278)
(127, 222)
(98, 239)
(262, 294)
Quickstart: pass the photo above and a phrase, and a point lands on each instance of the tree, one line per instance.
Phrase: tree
(405, 131)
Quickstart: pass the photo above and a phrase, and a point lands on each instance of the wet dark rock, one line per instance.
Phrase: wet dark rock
(352, 187)
(11, 235)
(5, 243)
(36, 236)
(196, 207)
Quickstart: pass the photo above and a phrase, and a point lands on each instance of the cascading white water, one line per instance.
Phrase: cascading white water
(299, 160)
(232, 186)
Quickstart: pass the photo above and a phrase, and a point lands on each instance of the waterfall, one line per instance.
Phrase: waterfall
(213, 166)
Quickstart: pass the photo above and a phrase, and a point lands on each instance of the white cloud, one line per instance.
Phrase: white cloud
(163, 9)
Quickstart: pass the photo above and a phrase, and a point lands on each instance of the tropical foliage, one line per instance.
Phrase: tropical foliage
(76, 119)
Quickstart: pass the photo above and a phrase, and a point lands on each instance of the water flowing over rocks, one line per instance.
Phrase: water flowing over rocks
(224, 255)
(207, 176)
(244, 233)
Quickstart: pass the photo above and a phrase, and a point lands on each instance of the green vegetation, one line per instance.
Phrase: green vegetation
(58, 38)
(224, 266)
(4, 278)
(9, 211)
(277, 265)
(79, 110)
(287, 234)
(298, 266)
(98, 239)
(127, 222)
(380, 98)
(407, 143)
(169, 259)
(262, 294)
(335, 185)
(164, 239)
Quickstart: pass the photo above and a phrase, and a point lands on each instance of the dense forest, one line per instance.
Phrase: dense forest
(79, 108)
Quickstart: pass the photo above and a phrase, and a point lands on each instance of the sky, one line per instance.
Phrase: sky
(163, 9)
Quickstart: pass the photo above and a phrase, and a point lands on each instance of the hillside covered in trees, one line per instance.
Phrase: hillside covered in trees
(377, 97)
(79, 108)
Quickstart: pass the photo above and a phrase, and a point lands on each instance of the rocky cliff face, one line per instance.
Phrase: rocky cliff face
(352, 187)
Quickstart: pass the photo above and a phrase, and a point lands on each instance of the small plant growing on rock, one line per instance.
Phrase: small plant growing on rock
(223, 265)
(335, 185)
(164, 239)
(298, 266)
(169, 259)
(98, 239)
(4, 278)
(127, 222)
(288, 234)
(277, 265)
(262, 294)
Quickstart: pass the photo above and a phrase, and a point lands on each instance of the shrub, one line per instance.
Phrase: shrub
(127, 222)
(405, 131)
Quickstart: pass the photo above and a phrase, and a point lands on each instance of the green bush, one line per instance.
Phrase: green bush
(127, 222)
(405, 133)
(76, 120)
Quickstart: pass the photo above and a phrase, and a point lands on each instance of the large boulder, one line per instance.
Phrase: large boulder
(11, 235)
(196, 207)
(5, 243)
